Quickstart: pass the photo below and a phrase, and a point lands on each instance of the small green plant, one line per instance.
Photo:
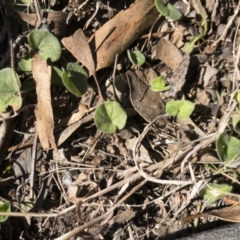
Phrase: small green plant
(9, 90)
(136, 57)
(188, 48)
(4, 207)
(228, 147)
(75, 79)
(159, 84)
(168, 10)
(180, 108)
(110, 117)
(213, 192)
(46, 44)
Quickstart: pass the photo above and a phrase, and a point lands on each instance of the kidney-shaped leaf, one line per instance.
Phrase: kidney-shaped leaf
(228, 147)
(45, 43)
(110, 117)
(9, 88)
(25, 64)
(168, 11)
(136, 57)
(4, 207)
(75, 79)
(158, 84)
(212, 192)
(181, 108)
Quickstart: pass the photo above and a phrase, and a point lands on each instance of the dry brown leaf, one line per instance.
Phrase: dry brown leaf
(44, 114)
(145, 101)
(169, 54)
(177, 36)
(230, 214)
(56, 20)
(77, 44)
(178, 78)
(118, 33)
(73, 118)
(67, 132)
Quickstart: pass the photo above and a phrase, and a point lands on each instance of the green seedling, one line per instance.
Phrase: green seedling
(159, 85)
(188, 48)
(168, 10)
(180, 108)
(228, 147)
(136, 57)
(110, 117)
(46, 44)
(4, 207)
(213, 192)
(9, 90)
(75, 79)
(25, 64)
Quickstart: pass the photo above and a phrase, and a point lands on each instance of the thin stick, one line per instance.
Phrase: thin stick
(37, 9)
(33, 164)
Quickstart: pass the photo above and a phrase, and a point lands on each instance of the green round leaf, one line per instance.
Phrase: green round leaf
(162, 8)
(136, 57)
(180, 108)
(158, 84)
(4, 207)
(110, 117)
(213, 192)
(228, 147)
(75, 79)
(9, 87)
(168, 10)
(25, 64)
(46, 44)
(233, 149)
(221, 146)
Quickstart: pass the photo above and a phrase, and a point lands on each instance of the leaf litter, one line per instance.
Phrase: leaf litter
(144, 181)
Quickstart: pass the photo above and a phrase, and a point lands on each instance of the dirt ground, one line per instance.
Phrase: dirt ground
(161, 176)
